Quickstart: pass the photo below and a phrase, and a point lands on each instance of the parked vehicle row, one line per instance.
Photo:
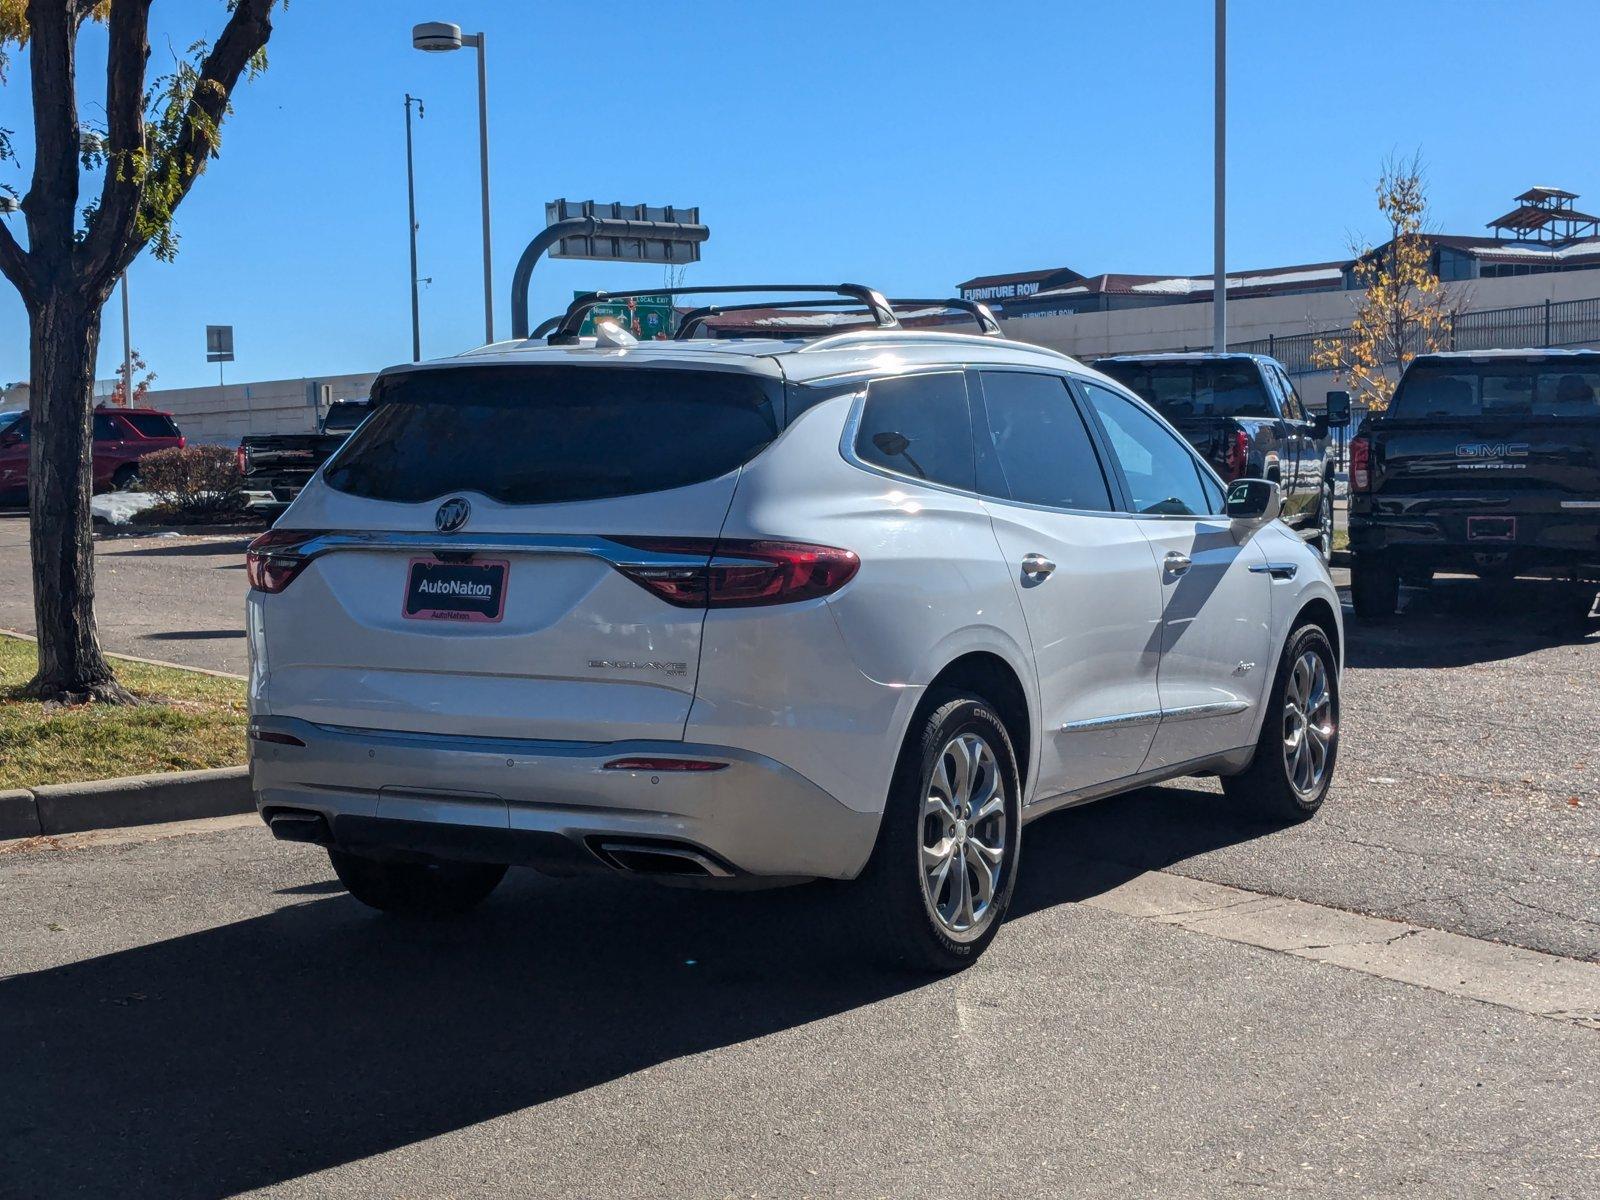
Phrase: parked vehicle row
(122, 436)
(749, 610)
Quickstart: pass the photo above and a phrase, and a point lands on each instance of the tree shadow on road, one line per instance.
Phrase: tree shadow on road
(260, 1051)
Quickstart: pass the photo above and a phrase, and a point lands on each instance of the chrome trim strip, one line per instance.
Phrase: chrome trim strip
(1187, 712)
(1278, 570)
(591, 546)
(1581, 504)
(1120, 721)
(1191, 712)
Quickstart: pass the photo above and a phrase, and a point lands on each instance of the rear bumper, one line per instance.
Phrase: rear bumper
(553, 805)
(1560, 544)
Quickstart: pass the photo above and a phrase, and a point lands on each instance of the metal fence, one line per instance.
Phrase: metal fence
(1553, 323)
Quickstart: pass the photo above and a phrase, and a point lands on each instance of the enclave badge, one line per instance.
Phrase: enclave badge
(452, 515)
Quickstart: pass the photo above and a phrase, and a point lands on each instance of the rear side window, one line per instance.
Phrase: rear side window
(106, 429)
(1229, 388)
(1040, 442)
(1548, 389)
(919, 425)
(152, 425)
(547, 435)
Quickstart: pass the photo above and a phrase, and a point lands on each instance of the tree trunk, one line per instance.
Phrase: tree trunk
(64, 336)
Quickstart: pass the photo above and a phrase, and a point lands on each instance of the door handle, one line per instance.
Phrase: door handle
(1176, 563)
(1037, 566)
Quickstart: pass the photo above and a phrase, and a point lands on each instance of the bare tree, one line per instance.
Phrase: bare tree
(157, 140)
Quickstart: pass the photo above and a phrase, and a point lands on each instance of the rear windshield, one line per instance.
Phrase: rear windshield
(154, 425)
(344, 416)
(1200, 389)
(1515, 389)
(546, 435)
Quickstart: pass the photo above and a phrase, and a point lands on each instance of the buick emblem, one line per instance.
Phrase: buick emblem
(452, 515)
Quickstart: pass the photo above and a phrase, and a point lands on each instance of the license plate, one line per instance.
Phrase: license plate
(455, 591)
(1491, 529)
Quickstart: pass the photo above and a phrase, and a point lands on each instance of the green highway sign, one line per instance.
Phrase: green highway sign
(646, 317)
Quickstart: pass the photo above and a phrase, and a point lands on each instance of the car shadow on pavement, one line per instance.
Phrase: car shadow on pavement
(178, 547)
(1458, 622)
(265, 1049)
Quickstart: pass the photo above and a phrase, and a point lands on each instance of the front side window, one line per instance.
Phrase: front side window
(919, 425)
(1162, 477)
(1041, 446)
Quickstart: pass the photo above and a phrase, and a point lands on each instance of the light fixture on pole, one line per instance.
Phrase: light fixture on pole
(1219, 202)
(441, 37)
(411, 230)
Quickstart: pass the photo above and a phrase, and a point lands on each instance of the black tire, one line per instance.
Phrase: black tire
(125, 479)
(414, 889)
(1266, 788)
(1324, 541)
(1374, 587)
(891, 891)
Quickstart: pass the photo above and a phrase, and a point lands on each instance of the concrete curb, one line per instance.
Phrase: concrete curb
(134, 658)
(132, 800)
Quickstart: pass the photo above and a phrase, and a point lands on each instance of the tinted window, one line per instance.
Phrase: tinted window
(107, 429)
(1467, 389)
(543, 435)
(344, 416)
(1041, 445)
(1292, 408)
(152, 425)
(1225, 388)
(17, 427)
(919, 425)
(1161, 473)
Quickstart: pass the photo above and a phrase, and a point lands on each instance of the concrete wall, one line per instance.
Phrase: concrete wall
(1175, 326)
(227, 413)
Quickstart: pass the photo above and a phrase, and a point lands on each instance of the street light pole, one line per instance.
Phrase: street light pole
(127, 347)
(1219, 203)
(411, 230)
(442, 36)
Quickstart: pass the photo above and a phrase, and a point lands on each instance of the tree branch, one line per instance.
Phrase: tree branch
(114, 221)
(15, 265)
(52, 199)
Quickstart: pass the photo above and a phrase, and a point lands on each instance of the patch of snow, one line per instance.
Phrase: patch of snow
(118, 508)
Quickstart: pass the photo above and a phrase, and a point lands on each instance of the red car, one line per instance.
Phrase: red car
(122, 436)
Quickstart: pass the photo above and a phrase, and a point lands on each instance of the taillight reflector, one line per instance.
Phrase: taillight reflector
(273, 736)
(740, 573)
(1238, 456)
(240, 459)
(1360, 465)
(272, 560)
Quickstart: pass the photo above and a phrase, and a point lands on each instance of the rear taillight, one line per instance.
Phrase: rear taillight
(238, 457)
(273, 560)
(738, 573)
(1360, 464)
(182, 441)
(1238, 455)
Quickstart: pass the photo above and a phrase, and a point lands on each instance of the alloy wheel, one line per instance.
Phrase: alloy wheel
(964, 832)
(1308, 724)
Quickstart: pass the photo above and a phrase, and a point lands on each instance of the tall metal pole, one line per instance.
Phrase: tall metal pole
(411, 230)
(127, 347)
(477, 39)
(1219, 203)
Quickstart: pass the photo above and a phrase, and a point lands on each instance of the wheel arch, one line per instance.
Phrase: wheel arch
(1320, 613)
(993, 678)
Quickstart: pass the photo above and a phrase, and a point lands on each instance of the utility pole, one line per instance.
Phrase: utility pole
(127, 347)
(1219, 203)
(411, 230)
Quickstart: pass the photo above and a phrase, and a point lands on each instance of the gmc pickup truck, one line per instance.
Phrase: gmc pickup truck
(1243, 414)
(1486, 463)
(281, 463)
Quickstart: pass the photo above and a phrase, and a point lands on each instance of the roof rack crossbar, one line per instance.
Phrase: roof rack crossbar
(988, 326)
(566, 328)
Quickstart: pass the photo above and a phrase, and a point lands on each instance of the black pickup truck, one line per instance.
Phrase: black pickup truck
(281, 463)
(1243, 414)
(1484, 463)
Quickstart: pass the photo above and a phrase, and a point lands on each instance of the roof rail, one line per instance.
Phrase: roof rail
(980, 313)
(566, 328)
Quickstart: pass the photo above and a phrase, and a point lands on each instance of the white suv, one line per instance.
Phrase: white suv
(763, 607)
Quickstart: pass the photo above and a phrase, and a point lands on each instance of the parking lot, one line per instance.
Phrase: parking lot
(201, 1011)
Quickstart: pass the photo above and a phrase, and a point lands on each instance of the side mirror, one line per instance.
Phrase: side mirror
(1253, 503)
(1338, 408)
(1319, 425)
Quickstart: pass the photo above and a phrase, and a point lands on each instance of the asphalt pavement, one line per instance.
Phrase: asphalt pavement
(205, 1016)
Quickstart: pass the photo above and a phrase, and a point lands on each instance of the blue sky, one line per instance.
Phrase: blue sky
(907, 145)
